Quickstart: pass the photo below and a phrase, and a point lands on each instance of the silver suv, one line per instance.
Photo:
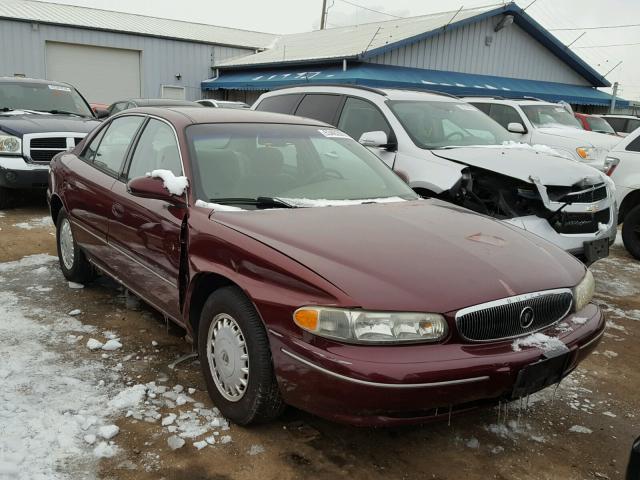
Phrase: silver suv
(448, 149)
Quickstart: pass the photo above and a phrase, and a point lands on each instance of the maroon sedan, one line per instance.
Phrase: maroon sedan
(309, 274)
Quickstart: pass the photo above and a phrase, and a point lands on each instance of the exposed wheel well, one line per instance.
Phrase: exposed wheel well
(204, 285)
(630, 201)
(56, 206)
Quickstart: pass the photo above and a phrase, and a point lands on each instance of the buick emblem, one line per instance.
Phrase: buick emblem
(526, 317)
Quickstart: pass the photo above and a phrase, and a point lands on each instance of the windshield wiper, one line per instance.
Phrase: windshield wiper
(62, 112)
(6, 109)
(260, 202)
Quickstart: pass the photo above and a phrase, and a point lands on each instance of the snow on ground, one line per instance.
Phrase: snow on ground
(41, 222)
(59, 400)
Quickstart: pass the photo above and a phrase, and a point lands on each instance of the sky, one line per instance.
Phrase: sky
(292, 16)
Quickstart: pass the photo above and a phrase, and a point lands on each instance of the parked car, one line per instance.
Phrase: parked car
(545, 123)
(38, 118)
(594, 123)
(207, 102)
(633, 468)
(622, 124)
(450, 150)
(101, 110)
(623, 164)
(225, 237)
(121, 105)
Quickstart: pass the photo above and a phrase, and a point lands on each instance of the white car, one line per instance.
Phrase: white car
(622, 124)
(207, 102)
(537, 122)
(623, 166)
(448, 149)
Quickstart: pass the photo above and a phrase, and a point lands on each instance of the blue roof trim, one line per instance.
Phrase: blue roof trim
(524, 21)
(374, 75)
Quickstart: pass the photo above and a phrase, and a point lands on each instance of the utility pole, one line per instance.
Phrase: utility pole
(613, 97)
(323, 18)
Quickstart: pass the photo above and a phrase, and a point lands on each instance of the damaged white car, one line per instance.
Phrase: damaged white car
(448, 149)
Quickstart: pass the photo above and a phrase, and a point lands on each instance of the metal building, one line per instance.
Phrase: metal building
(497, 50)
(110, 56)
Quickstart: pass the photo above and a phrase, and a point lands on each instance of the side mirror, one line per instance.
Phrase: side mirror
(101, 113)
(152, 187)
(633, 470)
(377, 139)
(515, 127)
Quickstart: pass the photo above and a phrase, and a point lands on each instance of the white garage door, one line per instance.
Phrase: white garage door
(102, 75)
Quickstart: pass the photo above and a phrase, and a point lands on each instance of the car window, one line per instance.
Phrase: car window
(90, 152)
(618, 124)
(634, 146)
(483, 107)
(117, 107)
(359, 116)
(43, 97)
(632, 125)
(157, 149)
(550, 116)
(504, 114)
(320, 107)
(598, 124)
(279, 103)
(115, 142)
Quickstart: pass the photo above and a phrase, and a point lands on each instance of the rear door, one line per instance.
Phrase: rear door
(146, 232)
(87, 190)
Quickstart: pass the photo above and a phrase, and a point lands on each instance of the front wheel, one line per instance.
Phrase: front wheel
(631, 232)
(73, 263)
(236, 359)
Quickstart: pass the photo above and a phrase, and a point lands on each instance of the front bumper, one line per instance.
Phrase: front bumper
(15, 173)
(397, 385)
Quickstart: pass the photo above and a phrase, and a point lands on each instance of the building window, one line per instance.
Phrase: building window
(172, 92)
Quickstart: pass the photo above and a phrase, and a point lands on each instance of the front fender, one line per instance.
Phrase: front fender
(430, 173)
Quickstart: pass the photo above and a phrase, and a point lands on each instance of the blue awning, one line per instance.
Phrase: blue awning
(372, 75)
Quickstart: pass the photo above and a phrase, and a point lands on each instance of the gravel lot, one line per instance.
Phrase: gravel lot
(58, 393)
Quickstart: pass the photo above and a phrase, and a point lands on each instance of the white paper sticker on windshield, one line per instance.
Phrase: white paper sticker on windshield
(59, 88)
(332, 133)
(466, 107)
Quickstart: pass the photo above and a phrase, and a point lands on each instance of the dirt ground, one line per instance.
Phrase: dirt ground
(584, 431)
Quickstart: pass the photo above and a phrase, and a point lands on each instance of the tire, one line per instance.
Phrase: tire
(631, 232)
(73, 263)
(230, 314)
(6, 198)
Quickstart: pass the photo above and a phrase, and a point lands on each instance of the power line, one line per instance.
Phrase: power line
(369, 9)
(594, 28)
(611, 45)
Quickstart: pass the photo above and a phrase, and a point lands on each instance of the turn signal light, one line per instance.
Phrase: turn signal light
(307, 318)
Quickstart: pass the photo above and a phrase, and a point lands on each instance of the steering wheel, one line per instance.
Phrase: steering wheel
(453, 134)
(325, 172)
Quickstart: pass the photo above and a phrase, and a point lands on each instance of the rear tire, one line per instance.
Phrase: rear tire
(236, 359)
(631, 232)
(73, 263)
(6, 198)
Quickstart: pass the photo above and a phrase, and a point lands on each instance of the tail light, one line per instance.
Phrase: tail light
(610, 165)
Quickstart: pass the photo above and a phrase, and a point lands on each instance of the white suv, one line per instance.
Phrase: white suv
(623, 166)
(448, 149)
(537, 122)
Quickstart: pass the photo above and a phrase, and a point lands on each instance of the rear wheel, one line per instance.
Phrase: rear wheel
(236, 359)
(6, 198)
(73, 263)
(631, 232)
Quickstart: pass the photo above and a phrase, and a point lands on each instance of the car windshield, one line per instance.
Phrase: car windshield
(42, 97)
(234, 163)
(598, 124)
(434, 125)
(550, 116)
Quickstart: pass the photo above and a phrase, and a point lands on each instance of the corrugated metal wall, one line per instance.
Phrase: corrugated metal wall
(513, 53)
(22, 51)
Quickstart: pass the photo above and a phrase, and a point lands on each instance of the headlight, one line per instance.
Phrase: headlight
(583, 292)
(10, 145)
(358, 326)
(588, 153)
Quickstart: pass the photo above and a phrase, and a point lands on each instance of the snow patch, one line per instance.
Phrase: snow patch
(323, 202)
(538, 340)
(108, 431)
(175, 442)
(35, 223)
(93, 344)
(105, 450)
(175, 185)
(111, 345)
(129, 397)
(219, 207)
(580, 429)
(75, 286)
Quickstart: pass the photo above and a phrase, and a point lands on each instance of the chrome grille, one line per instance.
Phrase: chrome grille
(42, 147)
(578, 194)
(502, 319)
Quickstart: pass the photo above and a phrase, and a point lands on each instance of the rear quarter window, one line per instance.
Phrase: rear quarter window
(280, 103)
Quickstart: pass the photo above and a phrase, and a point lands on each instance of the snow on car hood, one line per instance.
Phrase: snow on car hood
(586, 137)
(521, 163)
(420, 255)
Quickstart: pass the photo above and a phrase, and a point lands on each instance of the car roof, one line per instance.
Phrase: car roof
(195, 115)
(33, 80)
(365, 92)
(519, 101)
(633, 117)
(150, 102)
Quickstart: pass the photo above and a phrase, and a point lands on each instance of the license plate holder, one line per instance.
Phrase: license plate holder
(541, 374)
(595, 250)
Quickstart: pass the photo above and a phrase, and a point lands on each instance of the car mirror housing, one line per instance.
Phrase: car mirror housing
(376, 139)
(515, 127)
(101, 113)
(152, 187)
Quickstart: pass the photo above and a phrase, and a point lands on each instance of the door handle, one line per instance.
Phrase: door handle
(117, 210)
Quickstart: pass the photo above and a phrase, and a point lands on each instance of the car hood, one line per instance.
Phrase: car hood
(521, 163)
(422, 255)
(584, 137)
(17, 124)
